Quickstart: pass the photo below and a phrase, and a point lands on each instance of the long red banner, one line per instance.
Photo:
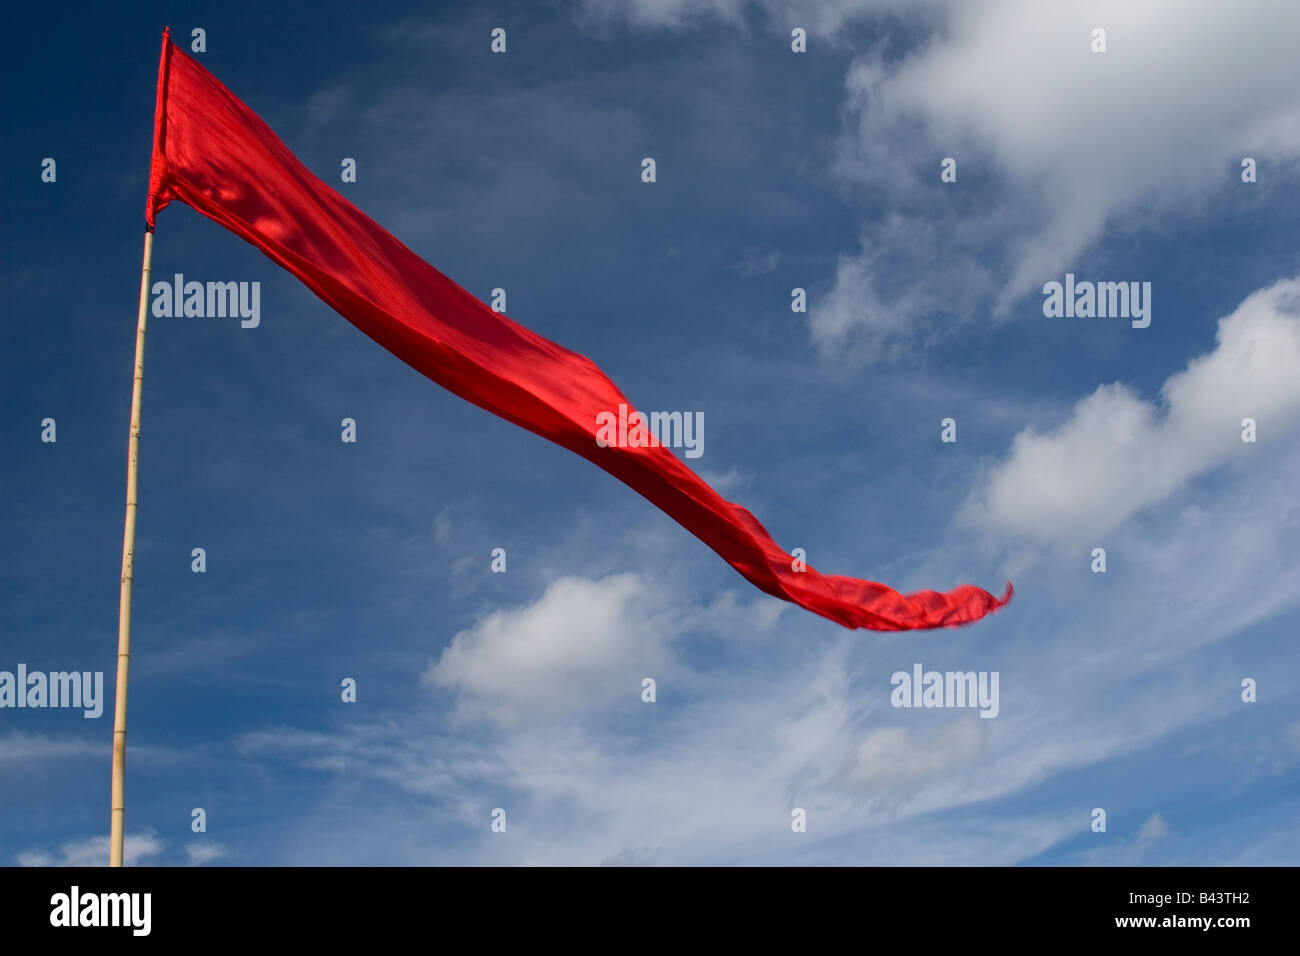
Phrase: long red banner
(214, 154)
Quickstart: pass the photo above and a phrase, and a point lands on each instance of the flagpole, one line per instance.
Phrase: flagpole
(118, 804)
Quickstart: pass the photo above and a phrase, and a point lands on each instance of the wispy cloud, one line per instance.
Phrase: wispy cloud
(137, 849)
(755, 261)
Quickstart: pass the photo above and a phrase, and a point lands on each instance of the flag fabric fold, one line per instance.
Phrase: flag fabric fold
(217, 156)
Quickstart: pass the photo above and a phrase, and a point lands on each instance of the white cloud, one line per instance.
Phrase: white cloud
(893, 757)
(755, 261)
(632, 856)
(31, 746)
(823, 18)
(580, 645)
(442, 526)
(799, 716)
(725, 482)
(201, 853)
(94, 852)
(1064, 143)
(710, 773)
(1119, 453)
(1154, 829)
(879, 306)
(1078, 142)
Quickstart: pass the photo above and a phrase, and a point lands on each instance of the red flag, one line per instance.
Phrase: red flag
(214, 154)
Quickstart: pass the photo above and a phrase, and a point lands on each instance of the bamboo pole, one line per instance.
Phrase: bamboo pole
(118, 804)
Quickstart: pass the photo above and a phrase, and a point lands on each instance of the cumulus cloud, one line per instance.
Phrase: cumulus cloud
(580, 645)
(1119, 453)
(801, 717)
(1066, 142)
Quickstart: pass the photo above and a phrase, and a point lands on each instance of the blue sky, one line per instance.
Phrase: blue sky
(775, 170)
